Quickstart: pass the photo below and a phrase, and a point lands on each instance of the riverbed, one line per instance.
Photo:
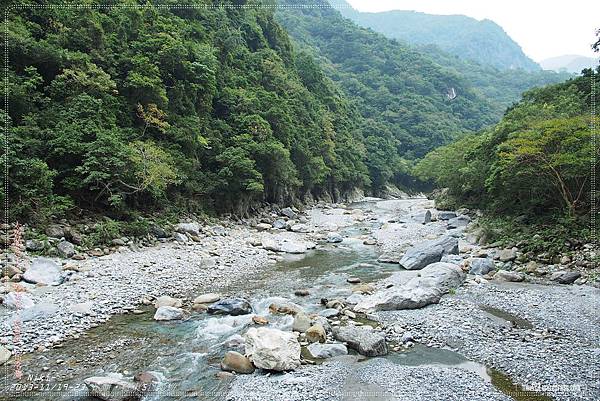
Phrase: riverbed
(469, 346)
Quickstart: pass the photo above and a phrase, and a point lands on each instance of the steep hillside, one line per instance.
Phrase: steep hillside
(125, 109)
(404, 94)
(481, 41)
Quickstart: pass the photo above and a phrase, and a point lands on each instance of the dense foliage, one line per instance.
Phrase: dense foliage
(401, 93)
(535, 162)
(131, 107)
(123, 108)
(483, 41)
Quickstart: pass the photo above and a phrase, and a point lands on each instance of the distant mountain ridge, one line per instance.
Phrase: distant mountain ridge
(481, 41)
(569, 63)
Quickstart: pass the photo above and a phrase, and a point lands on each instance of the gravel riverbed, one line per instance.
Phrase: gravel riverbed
(541, 337)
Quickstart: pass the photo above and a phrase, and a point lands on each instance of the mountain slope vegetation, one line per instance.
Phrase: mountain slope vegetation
(535, 162)
(119, 109)
(401, 92)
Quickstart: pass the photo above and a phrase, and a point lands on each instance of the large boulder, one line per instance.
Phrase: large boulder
(55, 231)
(207, 298)
(65, 249)
(364, 340)
(507, 255)
(271, 244)
(510, 276)
(565, 277)
(34, 245)
(289, 213)
(460, 221)
(112, 388)
(231, 306)
(423, 218)
(272, 349)
(17, 300)
(299, 228)
(188, 228)
(43, 310)
(426, 253)
(481, 266)
(301, 322)
(5, 355)
(445, 215)
(334, 237)
(43, 271)
(316, 334)
(168, 313)
(434, 281)
(166, 300)
(322, 351)
(420, 256)
(236, 362)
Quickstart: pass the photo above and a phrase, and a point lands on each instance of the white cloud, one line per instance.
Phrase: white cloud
(543, 28)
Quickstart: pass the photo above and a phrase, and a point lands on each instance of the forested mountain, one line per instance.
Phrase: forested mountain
(481, 41)
(124, 108)
(535, 162)
(403, 94)
(503, 87)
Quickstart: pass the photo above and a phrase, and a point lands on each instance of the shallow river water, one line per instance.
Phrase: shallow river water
(186, 355)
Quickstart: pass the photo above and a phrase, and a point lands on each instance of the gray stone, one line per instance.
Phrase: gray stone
(5, 355)
(55, 231)
(288, 212)
(207, 298)
(43, 271)
(279, 224)
(446, 215)
(506, 255)
(42, 310)
(158, 231)
(179, 237)
(263, 226)
(168, 313)
(34, 245)
(272, 349)
(65, 249)
(565, 277)
(323, 351)
(109, 388)
(236, 362)
(230, 306)
(334, 237)
(362, 339)
(166, 300)
(316, 334)
(460, 221)
(188, 228)
(301, 322)
(481, 266)
(434, 281)
(426, 253)
(420, 256)
(505, 275)
(17, 300)
(299, 228)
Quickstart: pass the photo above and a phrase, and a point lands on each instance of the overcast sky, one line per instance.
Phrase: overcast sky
(543, 28)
